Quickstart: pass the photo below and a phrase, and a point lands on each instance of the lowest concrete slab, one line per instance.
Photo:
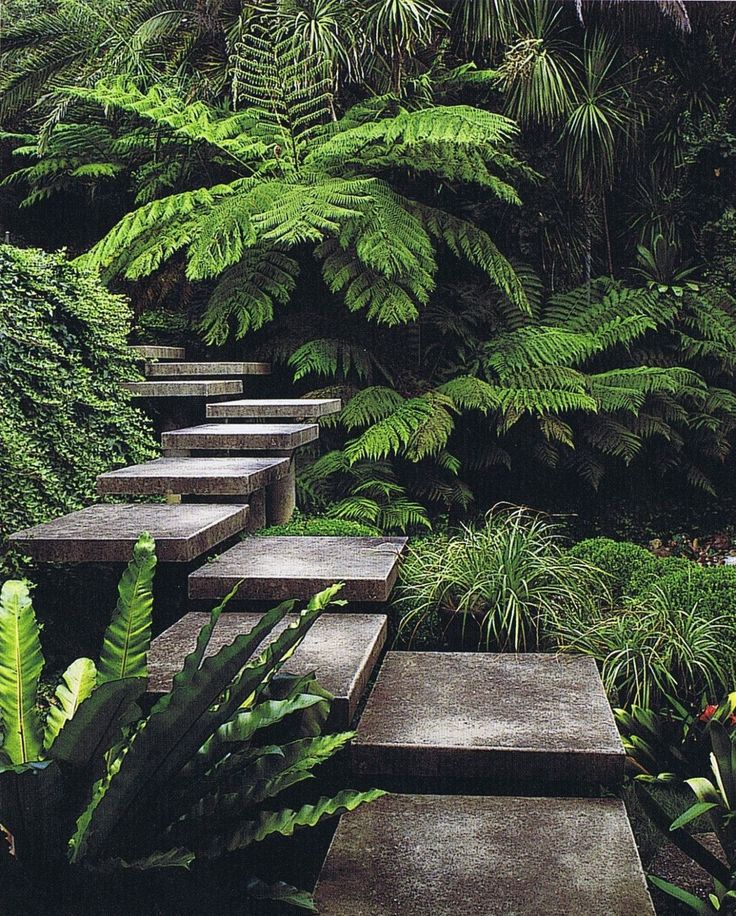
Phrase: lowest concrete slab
(429, 855)
(528, 722)
(274, 568)
(194, 476)
(106, 534)
(297, 408)
(342, 650)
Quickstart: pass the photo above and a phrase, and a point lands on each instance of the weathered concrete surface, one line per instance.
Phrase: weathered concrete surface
(441, 855)
(194, 476)
(281, 497)
(295, 408)
(275, 568)
(342, 649)
(259, 437)
(208, 369)
(526, 722)
(184, 389)
(151, 351)
(106, 534)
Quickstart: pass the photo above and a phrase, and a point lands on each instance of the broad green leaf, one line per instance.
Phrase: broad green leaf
(21, 663)
(283, 893)
(128, 636)
(692, 814)
(98, 722)
(182, 720)
(75, 686)
(695, 903)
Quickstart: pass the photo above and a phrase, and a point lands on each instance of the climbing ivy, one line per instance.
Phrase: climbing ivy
(64, 415)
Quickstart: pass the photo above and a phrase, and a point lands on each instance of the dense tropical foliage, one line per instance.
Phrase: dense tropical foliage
(263, 171)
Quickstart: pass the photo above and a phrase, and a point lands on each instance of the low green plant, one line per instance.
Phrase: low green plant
(99, 784)
(715, 801)
(709, 591)
(629, 568)
(501, 580)
(648, 648)
(319, 525)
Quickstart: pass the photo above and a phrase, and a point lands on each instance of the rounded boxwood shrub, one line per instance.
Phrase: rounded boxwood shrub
(630, 569)
(65, 415)
(709, 591)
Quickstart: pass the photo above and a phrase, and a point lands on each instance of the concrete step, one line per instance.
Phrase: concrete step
(275, 568)
(342, 649)
(245, 437)
(153, 351)
(206, 369)
(194, 476)
(106, 534)
(206, 388)
(523, 723)
(294, 408)
(443, 855)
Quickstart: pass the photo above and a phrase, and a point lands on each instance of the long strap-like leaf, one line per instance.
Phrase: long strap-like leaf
(21, 663)
(128, 637)
(76, 684)
(182, 720)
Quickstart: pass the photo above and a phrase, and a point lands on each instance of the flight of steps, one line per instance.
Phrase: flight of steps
(498, 760)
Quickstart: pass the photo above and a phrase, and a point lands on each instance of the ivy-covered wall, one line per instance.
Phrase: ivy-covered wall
(64, 415)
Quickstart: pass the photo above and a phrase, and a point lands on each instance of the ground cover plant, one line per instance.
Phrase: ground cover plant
(64, 358)
(96, 782)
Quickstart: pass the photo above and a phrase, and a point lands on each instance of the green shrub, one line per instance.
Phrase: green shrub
(709, 590)
(65, 416)
(320, 526)
(501, 580)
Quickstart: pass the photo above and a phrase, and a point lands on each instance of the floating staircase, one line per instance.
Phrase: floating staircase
(531, 736)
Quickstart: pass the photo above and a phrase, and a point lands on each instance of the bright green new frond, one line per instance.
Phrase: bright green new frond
(418, 426)
(369, 406)
(468, 393)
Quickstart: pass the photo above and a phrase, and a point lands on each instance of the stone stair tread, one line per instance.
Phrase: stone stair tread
(155, 351)
(342, 649)
(241, 436)
(440, 855)
(203, 388)
(200, 476)
(208, 369)
(107, 533)
(275, 407)
(530, 719)
(275, 568)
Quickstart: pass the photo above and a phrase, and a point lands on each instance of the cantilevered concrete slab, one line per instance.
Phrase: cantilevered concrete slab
(274, 568)
(106, 534)
(184, 389)
(446, 855)
(151, 351)
(342, 650)
(194, 476)
(207, 369)
(257, 437)
(527, 722)
(294, 408)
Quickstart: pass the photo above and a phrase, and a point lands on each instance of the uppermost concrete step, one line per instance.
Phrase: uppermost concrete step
(206, 388)
(107, 533)
(447, 855)
(153, 351)
(294, 408)
(257, 437)
(274, 568)
(529, 723)
(206, 369)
